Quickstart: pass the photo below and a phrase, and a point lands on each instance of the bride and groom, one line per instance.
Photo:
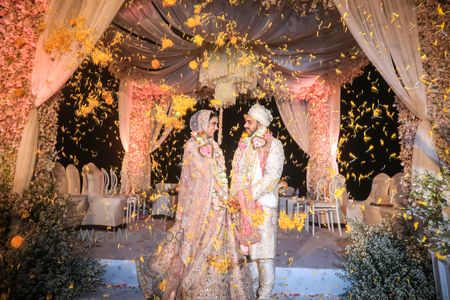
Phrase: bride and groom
(218, 226)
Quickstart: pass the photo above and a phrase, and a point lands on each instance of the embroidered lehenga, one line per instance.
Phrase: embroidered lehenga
(201, 260)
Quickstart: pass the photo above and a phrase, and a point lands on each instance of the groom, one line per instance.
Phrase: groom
(257, 167)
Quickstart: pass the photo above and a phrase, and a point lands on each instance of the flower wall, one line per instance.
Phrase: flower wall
(20, 25)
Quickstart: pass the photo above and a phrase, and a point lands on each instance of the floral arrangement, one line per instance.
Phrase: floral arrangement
(349, 66)
(320, 160)
(20, 25)
(432, 18)
(407, 129)
(430, 195)
(380, 264)
(47, 137)
(42, 256)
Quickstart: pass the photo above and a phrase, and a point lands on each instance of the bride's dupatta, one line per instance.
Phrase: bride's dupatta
(204, 263)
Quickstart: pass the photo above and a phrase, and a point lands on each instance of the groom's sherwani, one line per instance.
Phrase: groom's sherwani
(258, 162)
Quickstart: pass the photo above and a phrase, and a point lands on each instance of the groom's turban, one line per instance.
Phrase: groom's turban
(261, 114)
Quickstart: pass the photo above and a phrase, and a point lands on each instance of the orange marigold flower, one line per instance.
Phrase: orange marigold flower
(17, 241)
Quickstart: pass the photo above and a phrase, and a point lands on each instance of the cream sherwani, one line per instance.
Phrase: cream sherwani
(264, 189)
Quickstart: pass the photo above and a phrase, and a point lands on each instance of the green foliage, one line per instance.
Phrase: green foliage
(423, 217)
(51, 261)
(381, 264)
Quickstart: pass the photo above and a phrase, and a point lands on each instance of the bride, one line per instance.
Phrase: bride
(203, 260)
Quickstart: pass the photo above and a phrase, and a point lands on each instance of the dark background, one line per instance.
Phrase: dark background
(95, 138)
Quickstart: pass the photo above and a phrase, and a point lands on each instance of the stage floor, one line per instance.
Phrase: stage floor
(294, 249)
(306, 265)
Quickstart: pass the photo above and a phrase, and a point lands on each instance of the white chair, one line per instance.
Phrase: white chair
(304, 203)
(114, 182)
(59, 176)
(379, 195)
(321, 204)
(133, 205)
(81, 201)
(73, 180)
(327, 203)
(106, 180)
(379, 192)
(397, 196)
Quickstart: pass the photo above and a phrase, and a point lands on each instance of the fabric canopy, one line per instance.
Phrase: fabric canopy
(300, 47)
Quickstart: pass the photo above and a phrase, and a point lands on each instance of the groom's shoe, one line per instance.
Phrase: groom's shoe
(266, 270)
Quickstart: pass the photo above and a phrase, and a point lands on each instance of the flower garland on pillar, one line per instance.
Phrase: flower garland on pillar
(320, 160)
(432, 17)
(47, 138)
(20, 25)
(408, 124)
(144, 99)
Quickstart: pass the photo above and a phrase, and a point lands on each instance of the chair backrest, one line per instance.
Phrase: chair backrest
(337, 182)
(321, 189)
(73, 179)
(94, 179)
(396, 194)
(59, 175)
(84, 187)
(114, 181)
(106, 180)
(380, 189)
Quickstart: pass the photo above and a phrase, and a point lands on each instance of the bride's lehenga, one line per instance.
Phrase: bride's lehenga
(200, 258)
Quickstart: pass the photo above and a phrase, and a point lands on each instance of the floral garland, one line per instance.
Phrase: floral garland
(320, 160)
(350, 66)
(432, 16)
(408, 124)
(218, 170)
(301, 7)
(20, 25)
(47, 138)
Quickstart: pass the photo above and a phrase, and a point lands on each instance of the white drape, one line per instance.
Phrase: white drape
(387, 32)
(294, 114)
(124, 95)
(334, 102)
(52, 70)
(26, 155)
